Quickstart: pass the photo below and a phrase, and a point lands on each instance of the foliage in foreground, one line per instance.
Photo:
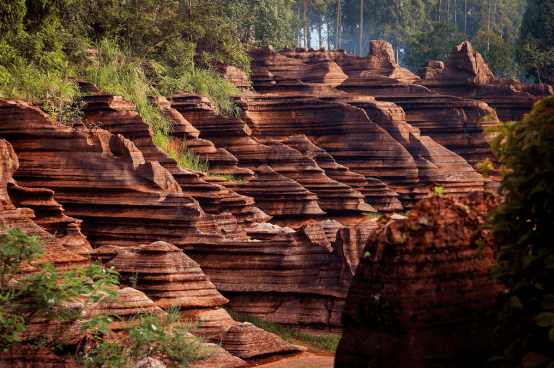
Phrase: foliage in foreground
(522, 224)
(148, 335)
(287, 333)
(44, 293)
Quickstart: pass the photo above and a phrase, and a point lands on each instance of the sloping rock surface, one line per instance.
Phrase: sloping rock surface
(167, 275)
(246, 340)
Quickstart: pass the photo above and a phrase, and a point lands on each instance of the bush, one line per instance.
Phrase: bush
(522, 224)
(29, 296)
(148, 335)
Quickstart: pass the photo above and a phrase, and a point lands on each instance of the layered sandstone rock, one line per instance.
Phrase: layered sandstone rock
(278, 195)
(31, 357)
(167, 275)
(246, 340)
(123, 200)
(235, 136)
(465, 74)
(326, 71)
(221, 358)
(22, 217)
(116, 115)
(213, 322)
(101, 179)
(344, 131)
(420, 296)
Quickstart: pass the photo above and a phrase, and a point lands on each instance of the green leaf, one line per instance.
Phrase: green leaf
(515, 302)
(551, 335)
(544, 319)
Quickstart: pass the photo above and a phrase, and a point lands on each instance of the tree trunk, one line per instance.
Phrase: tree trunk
(305, 24)
(319, 33)
(455, 19)
(465, 17)
(338, 24)
(488, 27)
(328, 33)
(440, 3)
(361, 26)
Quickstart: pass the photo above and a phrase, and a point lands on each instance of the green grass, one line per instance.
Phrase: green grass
(376, 215)
(205, 82)
(287, 333)
(115, 73)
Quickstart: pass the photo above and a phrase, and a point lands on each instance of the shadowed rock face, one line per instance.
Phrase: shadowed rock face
(422, 298)
(30, 356)
(51, 214)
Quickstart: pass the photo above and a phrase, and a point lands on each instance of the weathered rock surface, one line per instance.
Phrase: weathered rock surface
(167, 275)
(421, 297)
(235, 135)
(123, 200)
(221, 359)
(22, 217)
(215, 322)
(246, 340)
(278, 195)
(325, 71)
(117, 116)
(465, 74)
(30, 357)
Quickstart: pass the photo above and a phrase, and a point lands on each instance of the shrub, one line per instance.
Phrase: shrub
(147, 334)
(522, 224)
(41, 294)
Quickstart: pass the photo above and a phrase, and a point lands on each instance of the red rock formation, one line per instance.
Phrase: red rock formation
(31, 357)
(221, 359)
(420, 296)
(326, 71)
(214, 322)
(379, 64)
(235, 136)
(116, 115)
(167, 275)
(278, 195)
(246, 340)
(123, 200)
(22, 217)
(345, 132)
(465, 74)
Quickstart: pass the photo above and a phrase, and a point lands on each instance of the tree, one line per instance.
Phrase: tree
(261, 22)
(495, 53)
(535, 45)
(436, 44)
(522, 226)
